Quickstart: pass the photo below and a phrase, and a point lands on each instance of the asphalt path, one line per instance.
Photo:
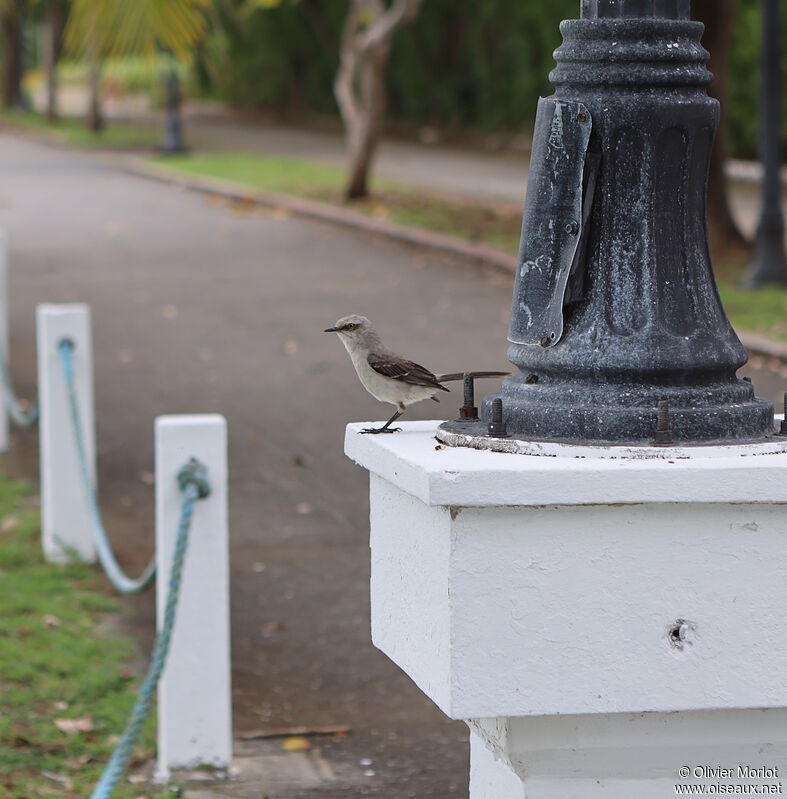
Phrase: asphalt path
(204, 306)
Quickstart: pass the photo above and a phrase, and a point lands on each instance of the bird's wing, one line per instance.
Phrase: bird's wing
(406, 371)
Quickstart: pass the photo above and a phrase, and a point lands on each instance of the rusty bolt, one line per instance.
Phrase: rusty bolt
(662, 435)
(468, 411)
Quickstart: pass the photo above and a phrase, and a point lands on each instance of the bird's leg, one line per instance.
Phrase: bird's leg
(386, 428)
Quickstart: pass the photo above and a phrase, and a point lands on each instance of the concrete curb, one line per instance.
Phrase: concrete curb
(763, 347)
(325, 212)
(434, 242)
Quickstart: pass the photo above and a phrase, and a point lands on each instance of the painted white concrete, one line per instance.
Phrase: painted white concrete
(194, 695)
(4, 336)
(65, 522)
(623, 756)
(607, 621)
(491, 777)
(533, 611)
(439, 475)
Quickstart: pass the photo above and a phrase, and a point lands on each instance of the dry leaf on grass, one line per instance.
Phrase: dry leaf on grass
(9, 524)
(74, 726)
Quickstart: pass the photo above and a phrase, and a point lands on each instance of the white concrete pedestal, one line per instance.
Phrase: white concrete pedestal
(600, 622)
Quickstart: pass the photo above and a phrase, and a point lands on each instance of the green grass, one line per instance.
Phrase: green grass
(285, 175)
(128, 74)
(56, 662)
(498, 227)
(762, 311)
(72, 132)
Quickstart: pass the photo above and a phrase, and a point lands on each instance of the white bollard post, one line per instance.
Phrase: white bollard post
(65, 520)
(194, 694)
(4, 337)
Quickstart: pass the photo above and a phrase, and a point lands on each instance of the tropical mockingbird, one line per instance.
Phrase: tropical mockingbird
(387, 376)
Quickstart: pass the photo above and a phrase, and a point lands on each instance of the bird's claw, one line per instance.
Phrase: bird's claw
(376, 431)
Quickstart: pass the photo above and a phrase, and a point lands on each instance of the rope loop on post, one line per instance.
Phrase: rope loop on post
(122, 582)
(194, 473)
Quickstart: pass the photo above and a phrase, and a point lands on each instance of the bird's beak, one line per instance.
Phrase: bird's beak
(331, 330)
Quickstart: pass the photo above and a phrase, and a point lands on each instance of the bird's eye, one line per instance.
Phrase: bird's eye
(352, 326)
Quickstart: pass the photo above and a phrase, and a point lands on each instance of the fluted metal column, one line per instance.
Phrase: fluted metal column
(615, 305)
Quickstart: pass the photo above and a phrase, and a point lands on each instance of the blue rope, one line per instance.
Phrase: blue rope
(116, 575)
(21, 417)
(194, 485)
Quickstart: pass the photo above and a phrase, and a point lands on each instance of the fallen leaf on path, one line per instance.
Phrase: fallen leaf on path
(303, 508)
(296, 744)
(74, 726)
(272, 627)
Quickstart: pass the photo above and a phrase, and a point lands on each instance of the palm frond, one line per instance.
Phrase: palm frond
(136, 27)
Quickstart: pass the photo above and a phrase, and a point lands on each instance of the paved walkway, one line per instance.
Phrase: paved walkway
(201, 306)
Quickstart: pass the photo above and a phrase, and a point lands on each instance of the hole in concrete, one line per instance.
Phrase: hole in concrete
(680, 634)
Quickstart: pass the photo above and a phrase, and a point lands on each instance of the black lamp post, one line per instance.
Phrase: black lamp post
(615, 309)
(173, 134)
(769, 264)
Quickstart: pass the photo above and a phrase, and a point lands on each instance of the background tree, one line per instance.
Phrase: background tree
(360, 81)
(53, 15)
(719, 19)
(12, 14)
(97, 29)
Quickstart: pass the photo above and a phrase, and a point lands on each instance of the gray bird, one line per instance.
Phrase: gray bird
(388, 377)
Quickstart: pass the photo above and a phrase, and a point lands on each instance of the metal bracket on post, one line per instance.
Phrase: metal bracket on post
(194, 695)
(66, 529)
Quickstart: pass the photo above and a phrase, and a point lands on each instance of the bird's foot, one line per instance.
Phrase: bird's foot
(376, 431)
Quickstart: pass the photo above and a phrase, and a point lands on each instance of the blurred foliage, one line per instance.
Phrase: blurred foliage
(129, 74)
(481, 67)
(744, 80)
(136, 27)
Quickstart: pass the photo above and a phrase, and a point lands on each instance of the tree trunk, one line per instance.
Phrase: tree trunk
(12, 58)
(366, 131)
(54, 23)
(95, 120)
(719, 17)
(360, 81)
